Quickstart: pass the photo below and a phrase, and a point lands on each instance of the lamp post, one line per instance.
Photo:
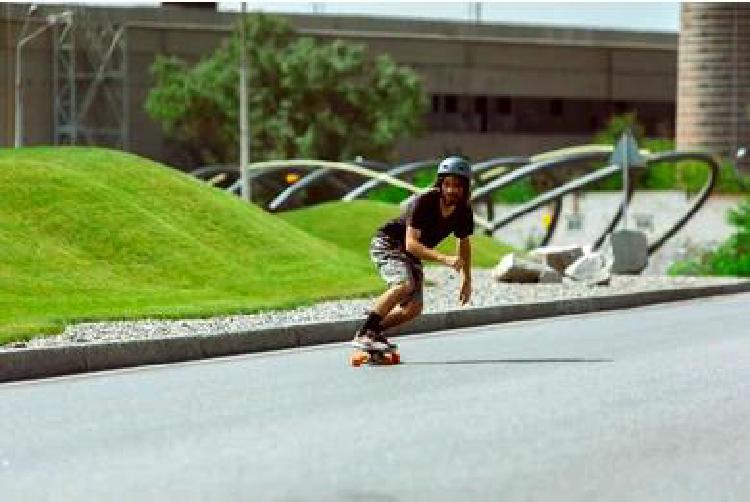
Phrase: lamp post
(244, 130)
(23, 39)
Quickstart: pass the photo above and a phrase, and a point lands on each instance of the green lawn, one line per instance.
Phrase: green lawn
(89, 234)
(351, 225)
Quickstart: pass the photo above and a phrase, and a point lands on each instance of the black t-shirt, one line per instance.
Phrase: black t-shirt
(423, 213)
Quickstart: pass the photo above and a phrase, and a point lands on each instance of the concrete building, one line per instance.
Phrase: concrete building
(494, 89)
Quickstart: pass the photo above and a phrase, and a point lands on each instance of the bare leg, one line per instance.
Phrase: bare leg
(401, 315)
(391, 298)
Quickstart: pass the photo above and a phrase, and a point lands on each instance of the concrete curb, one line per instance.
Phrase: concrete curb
(22, 364)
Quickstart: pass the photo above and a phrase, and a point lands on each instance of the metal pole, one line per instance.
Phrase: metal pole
(19, 112)
(625, 185)
(20, 40)
(244, 132)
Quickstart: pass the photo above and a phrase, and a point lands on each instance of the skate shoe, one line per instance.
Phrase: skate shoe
(370, 340)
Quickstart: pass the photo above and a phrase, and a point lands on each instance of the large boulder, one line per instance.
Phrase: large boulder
(512, 268)
(557, 257)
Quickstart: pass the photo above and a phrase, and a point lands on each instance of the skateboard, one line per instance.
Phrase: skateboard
(385, 357)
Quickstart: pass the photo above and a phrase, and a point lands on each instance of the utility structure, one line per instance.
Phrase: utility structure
(91, 103)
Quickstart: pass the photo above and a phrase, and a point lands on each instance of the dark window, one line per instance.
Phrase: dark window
(451, 103)
(480, 104)
(480, 108)
(503, 105)
(541, 115)
(556, 107)
(435, 103)
(621, 107)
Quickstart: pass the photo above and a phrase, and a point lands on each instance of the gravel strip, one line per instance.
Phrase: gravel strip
(441, 296)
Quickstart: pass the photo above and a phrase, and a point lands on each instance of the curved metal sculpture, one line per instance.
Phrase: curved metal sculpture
(610, 170)
(715, 168)
(303, 182)
(493, 172)
(371, 184)
(540, 163)
(217, 175)
(314, 176)
(258, 168)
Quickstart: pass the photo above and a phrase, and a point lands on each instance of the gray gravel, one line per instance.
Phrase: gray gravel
(441, 296)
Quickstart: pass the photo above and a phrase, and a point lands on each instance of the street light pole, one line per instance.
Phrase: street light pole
(244, 138)
(18, 112)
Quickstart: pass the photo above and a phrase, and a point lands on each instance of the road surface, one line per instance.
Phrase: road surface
(644, 404)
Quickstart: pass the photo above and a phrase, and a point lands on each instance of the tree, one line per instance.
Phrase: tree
(306, 98)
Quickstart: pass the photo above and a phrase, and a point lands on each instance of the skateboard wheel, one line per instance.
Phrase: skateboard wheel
(396, 358)
(358, 359)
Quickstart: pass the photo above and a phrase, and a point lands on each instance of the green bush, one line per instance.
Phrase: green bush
(732, 258)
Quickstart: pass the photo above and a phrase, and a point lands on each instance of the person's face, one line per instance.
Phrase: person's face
(452, 190)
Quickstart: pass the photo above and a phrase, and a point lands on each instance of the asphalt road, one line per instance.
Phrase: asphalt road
(644, 404)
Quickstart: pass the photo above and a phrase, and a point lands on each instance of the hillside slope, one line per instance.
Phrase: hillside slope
(350, 225)
(89, 233)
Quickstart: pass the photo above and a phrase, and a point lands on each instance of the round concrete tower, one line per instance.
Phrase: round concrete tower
(713, 94)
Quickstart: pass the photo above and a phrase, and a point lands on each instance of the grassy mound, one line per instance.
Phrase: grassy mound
(350, 225)
(92, 234)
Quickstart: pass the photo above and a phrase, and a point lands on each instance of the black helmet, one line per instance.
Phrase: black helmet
(456, 166)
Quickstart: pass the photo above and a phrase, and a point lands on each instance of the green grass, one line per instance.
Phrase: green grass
(93, 234)
(351, 225)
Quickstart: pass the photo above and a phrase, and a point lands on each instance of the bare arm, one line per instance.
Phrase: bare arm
(464, 252)
(422, 252)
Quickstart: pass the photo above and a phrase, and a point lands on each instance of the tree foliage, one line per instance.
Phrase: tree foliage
(306, 98)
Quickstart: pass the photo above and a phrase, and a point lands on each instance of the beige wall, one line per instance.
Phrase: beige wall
(146, 137)
(535, 70)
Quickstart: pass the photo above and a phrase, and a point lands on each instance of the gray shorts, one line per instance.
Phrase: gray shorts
(396, 267)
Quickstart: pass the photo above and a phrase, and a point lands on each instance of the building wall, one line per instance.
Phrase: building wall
(36, 72)
(494, 89)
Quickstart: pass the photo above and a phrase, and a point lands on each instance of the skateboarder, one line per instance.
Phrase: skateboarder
(399, 246)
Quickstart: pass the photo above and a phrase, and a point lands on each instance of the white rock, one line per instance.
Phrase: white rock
(593, 269)
(557, 257)
(515, 269)
(550, 277)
